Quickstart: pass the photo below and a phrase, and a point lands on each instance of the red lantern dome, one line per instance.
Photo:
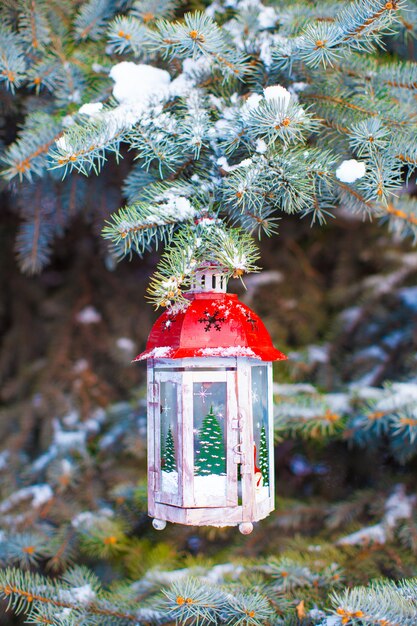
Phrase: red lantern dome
(215, 324)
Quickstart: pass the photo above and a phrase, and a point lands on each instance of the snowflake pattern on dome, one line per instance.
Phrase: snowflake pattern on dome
(212, 320)
(167, 324)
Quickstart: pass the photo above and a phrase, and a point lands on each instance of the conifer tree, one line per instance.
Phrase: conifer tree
(263, 457)
(169, 453)
(210, 457)
(235, 114)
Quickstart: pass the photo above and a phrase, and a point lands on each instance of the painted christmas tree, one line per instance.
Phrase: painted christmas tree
(211, 457)
(263, 458)
(169, 454)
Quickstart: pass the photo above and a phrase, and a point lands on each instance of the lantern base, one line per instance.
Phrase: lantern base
(210, 516)
(159, 524)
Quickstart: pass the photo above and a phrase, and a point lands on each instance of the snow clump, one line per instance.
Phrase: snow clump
(38, 494)
(253, 100)
(91, 108)
(178, 207)
(261, 146)
(267, 17)
(222, 161)
(398, 506)
(274, 92)
(125, 344)
(137, 83)
(350, 171)
(87, 519)
(277, 92)
(83, 594)
(88, 315)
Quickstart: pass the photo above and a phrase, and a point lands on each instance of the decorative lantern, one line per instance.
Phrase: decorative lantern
(210, 421)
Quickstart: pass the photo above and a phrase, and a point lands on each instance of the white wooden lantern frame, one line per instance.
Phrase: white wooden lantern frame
(243, 502)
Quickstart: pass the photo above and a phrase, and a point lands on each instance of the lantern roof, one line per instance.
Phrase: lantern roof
(214, 324)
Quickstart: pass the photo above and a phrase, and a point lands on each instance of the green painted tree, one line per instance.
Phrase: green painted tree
(169, 454)
(263, 458)
(210, 458)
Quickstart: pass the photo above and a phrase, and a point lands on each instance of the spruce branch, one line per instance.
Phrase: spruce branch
(34, 27)
(206, 241)
(12, 59)
(199, 36)
(27, 157)
(356, 201)
(91, 21)
(26, 549)
(359, 26)
(34, 242)
(309, 418)
(126, 34)
(84, 145)
(27, 592)
(395, 74)
(60, 551)
(368, 136)
(156, 145)
(45, 73)
(364, 21)
(386, 603)
(355, 108)
(104, 539)
(141, 225)
(400, 75)
(401, 215)
(149, 10)
(382, 178)
(194, 603)
(247, 609)
(336, 99)
(256, 190)
(276, 119)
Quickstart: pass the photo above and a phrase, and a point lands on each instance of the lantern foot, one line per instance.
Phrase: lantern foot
(245, 528)
(159, 524)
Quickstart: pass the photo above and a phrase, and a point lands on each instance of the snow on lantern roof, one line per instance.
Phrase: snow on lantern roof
(215, 324)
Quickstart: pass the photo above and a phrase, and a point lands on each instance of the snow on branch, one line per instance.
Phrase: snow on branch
(137, 227)
(203, 108)
(205, 240)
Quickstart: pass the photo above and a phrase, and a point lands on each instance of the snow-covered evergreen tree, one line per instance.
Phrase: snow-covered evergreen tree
(210, 456)
(235, 113)
(169, 462)
(263, 457)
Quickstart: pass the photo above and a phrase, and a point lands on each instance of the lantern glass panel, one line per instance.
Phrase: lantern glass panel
(209, 428)
(169, 437)
(261, 426)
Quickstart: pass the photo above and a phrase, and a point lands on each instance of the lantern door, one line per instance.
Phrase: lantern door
(210, 436)
(256, 416)
(168, 438)
(263, 432)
